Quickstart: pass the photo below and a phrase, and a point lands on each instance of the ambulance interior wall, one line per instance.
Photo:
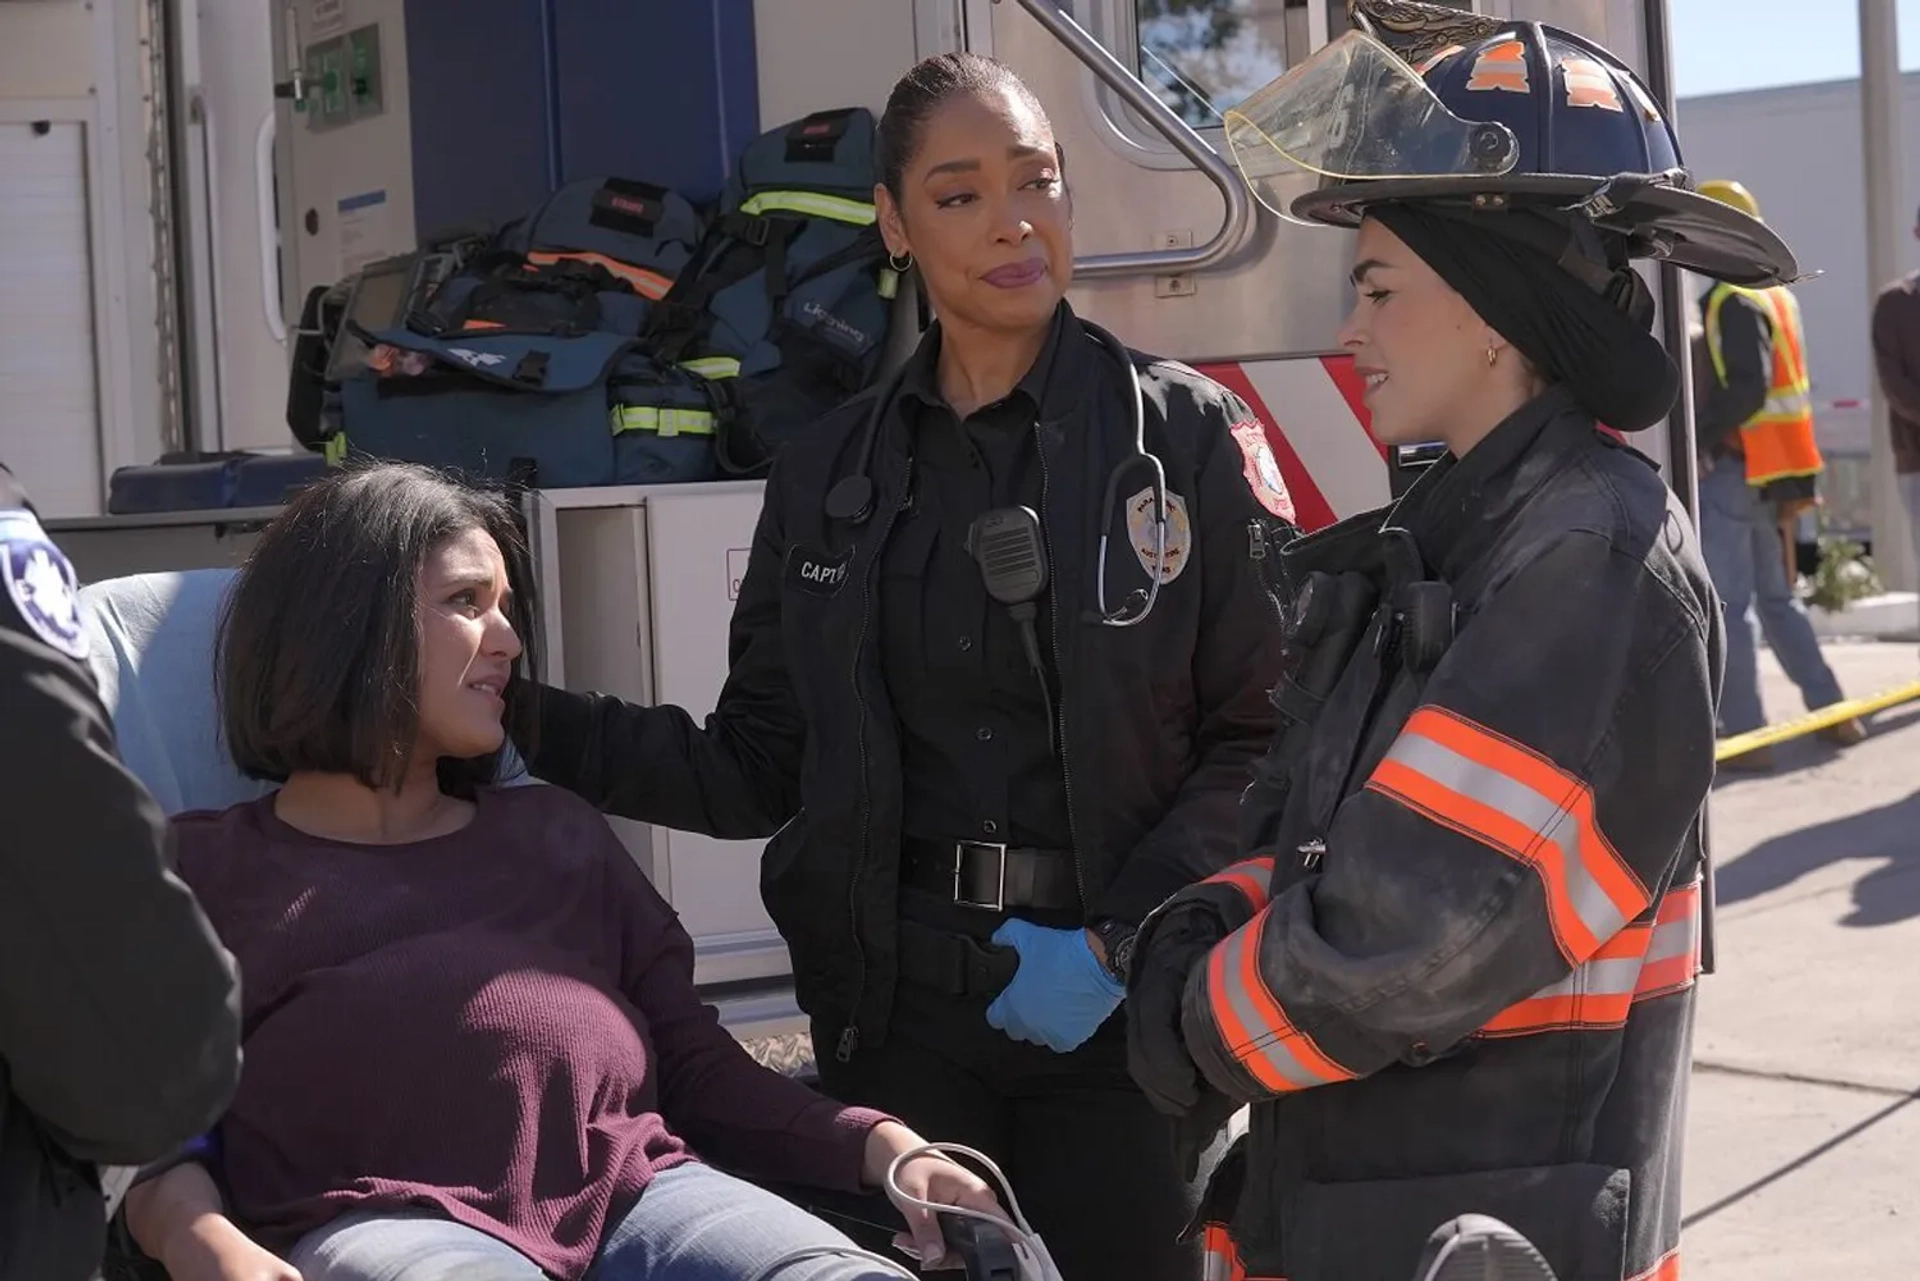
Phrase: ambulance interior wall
(509, 100)
(79, 364)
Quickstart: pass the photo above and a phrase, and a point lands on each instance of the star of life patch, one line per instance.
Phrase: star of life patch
(1140, 532)
(41, 583)
(1262, 469)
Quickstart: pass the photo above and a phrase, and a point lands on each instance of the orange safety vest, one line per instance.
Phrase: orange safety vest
(1778, 441)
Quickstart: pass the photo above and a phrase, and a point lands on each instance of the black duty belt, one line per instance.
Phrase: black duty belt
(954, 964)
(993, 877)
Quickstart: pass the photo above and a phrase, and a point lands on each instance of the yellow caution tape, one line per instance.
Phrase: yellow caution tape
(1814, 722)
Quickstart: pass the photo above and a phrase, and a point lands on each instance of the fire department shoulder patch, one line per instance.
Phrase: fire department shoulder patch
(1179, 533)
(1262, 469)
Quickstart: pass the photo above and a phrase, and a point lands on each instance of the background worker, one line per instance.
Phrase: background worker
(1759, 468)
(1896, 360)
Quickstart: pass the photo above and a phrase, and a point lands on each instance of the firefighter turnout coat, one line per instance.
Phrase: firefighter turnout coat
(1454, 973)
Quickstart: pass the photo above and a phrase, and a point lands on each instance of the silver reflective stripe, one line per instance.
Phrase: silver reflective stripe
(1216, 1267)
(1785, 406)
(1675, 938)
(1266, 1044)
(1597, 978)
(1541, 815)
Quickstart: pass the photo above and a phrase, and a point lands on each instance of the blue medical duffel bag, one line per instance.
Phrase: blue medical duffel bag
(552, 410)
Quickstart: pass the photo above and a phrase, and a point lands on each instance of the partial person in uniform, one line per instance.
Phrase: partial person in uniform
(1760, 467)
(1896, 362)
(993, 710)
(1453, 974)
(119, 1020)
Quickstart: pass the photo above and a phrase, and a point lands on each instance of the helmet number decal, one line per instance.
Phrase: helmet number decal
(1500, 66)
(1589, 85)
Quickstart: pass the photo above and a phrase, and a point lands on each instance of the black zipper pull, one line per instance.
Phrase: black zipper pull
(849, 1042)
(1256, 540)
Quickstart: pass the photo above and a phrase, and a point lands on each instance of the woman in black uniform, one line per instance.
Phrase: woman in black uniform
(995, 710)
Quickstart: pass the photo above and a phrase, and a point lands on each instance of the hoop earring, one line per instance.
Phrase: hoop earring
(901, 263)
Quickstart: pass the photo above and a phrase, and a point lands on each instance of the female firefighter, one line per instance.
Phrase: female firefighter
(1453, 974)
(995, 712)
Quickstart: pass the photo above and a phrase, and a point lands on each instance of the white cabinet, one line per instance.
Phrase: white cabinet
(638, 586)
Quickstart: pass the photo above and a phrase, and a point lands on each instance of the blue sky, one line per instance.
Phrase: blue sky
(1723, 45)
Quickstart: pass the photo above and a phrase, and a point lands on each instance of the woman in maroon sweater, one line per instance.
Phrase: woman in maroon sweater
(473, 1044)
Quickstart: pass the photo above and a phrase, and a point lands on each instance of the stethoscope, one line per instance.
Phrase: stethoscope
(852, 497)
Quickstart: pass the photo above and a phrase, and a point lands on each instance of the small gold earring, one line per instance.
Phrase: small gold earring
(1492, 355)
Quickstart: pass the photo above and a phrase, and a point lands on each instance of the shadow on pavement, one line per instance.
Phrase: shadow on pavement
(1888, 893)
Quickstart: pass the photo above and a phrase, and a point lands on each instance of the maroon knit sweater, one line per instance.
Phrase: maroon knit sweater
(500, 1023)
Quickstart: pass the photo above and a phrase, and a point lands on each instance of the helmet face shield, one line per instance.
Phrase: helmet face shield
(1355, 111)
(1529, 115)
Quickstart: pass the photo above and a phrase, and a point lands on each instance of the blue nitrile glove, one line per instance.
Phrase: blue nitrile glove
(1060, 995)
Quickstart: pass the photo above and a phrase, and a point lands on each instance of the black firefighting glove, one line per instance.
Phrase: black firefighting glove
(1172, 940)
(1193, 1132)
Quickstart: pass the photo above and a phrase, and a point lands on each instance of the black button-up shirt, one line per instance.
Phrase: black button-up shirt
(977, 757)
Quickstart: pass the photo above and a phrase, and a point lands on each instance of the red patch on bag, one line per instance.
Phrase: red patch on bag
(1261, 468)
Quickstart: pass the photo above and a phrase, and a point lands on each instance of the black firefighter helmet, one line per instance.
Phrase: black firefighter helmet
(1501, 115)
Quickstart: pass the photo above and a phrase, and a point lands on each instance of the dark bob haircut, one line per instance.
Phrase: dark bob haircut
(319, 647)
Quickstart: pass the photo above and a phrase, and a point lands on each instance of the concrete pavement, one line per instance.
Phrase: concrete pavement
(1803, 1154)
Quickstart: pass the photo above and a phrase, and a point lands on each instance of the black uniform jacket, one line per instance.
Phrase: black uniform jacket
(119, 1010)
(1159, 721)
(1457, 965)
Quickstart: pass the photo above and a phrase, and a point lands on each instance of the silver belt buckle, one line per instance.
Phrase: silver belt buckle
(960, 849)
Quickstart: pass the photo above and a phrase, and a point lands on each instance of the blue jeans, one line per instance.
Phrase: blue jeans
(1740, 537)
(693, 1223)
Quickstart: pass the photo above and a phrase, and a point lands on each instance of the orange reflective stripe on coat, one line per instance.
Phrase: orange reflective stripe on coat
(1646, 959)
(1252, 877)
(1254, 1026)
(648, 284)
(1220, 1258)
(1511, 799)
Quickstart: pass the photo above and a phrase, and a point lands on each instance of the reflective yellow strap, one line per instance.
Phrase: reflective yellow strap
(662, 422)
(811, 203)
(712, 366)
(1711, 323)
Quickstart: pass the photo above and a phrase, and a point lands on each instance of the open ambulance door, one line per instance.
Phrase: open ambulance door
(1175, 256)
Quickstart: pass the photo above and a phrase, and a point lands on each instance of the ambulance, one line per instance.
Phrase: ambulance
(176, 175)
